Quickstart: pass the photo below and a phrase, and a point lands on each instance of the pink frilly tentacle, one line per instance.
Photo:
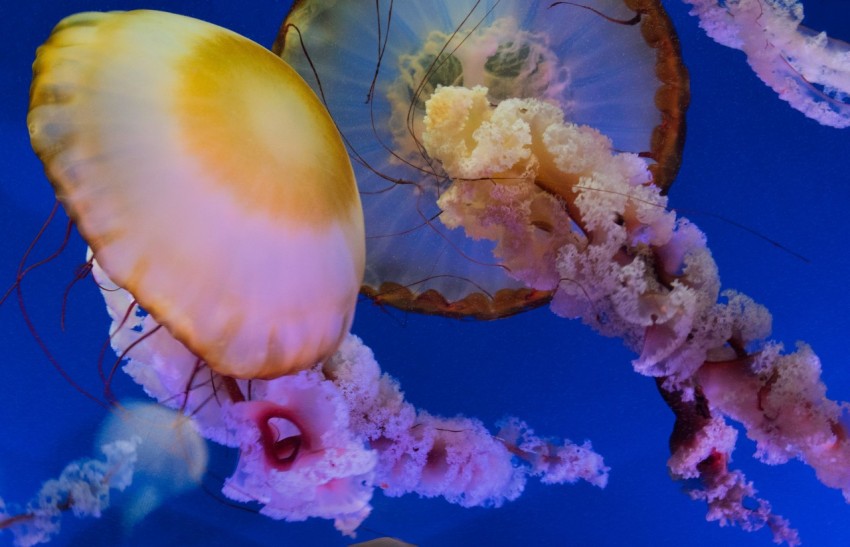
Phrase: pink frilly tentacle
(809, 70)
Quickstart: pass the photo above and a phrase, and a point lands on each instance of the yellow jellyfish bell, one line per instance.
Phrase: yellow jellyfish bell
(209, 181)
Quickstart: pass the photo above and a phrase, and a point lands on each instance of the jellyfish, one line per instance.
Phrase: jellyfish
(376, 81)
(161, 136)
(171, 457)
(209, 182)
(213, 190)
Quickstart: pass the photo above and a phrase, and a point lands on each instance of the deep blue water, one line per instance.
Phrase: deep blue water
(748, 157)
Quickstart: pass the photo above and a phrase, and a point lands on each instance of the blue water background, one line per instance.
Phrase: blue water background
(749, 157)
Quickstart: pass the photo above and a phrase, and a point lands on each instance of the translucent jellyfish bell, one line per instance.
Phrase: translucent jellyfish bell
(171, 456)
(610, 64)
(209, 181)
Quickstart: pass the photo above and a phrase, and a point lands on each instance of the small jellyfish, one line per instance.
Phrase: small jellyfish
(610, 64)
(209, 181)
(171, 456)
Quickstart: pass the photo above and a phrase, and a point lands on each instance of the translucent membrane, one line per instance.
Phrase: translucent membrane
(611, 64)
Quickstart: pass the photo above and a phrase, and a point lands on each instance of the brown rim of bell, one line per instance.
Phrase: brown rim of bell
(672, 96)
(666, 146)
